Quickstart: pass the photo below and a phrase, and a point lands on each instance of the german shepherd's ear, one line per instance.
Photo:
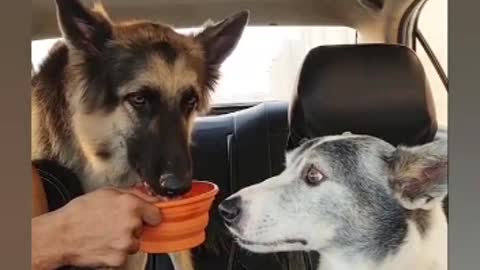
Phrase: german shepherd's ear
(220, 39)
(83, 28)
(419, 175)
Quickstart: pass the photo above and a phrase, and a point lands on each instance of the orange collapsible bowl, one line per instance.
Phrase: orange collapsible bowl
(183, 221)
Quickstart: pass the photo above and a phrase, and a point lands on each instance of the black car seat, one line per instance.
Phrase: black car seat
(374, 89)
(236, 150)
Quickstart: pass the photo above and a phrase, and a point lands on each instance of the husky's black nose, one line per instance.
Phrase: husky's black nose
(172, 186)
(230, 209)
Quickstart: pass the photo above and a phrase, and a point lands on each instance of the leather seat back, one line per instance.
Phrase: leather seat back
(375, 89)
(236, 150)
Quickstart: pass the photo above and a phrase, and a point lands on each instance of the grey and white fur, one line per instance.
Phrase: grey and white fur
(360, 202)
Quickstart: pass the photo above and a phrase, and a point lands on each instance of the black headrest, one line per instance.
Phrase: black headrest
(375, 89)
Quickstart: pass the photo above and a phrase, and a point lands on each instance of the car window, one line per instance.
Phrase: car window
(433, 24)
(265, 64)
(40, 50)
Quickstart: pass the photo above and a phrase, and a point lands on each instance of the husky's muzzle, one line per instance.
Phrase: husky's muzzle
(230, 210)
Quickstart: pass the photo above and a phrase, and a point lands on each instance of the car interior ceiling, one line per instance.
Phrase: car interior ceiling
(375, 19)
(240, 145)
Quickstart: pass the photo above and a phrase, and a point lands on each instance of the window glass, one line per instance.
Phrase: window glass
(433, 23)
(265, 64)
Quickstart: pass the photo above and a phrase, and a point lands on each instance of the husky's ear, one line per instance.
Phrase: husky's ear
(419, 174)
(85, 29)
(220, 39)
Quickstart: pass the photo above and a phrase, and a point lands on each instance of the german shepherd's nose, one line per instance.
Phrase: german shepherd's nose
(171, 186)
(230, 209)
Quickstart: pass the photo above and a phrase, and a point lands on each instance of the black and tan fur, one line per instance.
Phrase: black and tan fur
(115, 101)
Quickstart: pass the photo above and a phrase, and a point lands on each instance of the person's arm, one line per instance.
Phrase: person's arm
(48, 247)
(45, 228)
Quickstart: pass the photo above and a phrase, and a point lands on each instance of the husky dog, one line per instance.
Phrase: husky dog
(115, 101)
(360, 202)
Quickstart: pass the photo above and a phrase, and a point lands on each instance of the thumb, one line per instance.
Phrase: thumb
(142, 195)
(150, 214)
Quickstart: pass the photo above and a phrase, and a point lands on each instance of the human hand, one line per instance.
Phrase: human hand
(101, 228)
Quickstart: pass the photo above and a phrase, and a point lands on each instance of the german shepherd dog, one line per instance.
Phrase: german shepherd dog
(357, 200)
(115, 101)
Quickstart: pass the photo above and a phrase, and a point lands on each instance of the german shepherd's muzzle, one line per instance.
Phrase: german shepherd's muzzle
(162, 155)
(116, 102)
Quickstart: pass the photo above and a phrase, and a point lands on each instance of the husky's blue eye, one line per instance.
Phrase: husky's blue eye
(313, 176)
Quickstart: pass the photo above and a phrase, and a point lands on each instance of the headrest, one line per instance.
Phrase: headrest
(375, 89)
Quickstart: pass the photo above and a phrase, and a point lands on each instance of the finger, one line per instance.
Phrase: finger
(137, 192)
(137, 232)
(134, 247)
(150, 214)
(107, 189)
(116, 260)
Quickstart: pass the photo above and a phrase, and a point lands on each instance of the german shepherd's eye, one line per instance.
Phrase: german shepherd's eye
(313, 176)
(137, 99)
(190, 100)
